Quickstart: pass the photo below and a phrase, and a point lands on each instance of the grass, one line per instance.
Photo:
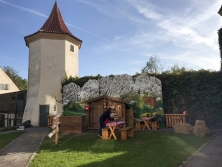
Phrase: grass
(7, 138)
(153, 148)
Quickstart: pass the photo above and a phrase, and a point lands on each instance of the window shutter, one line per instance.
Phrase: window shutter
(4, 86)
(119, 110)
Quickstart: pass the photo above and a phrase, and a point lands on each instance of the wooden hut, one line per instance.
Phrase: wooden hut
(12, 106)
(99, 104)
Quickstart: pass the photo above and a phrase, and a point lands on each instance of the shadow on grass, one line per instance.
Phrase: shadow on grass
(146, 148)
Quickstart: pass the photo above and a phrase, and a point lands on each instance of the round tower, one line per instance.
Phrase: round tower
(53, 54)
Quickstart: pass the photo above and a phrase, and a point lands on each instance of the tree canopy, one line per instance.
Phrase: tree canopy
(153, 66)
(18, 80)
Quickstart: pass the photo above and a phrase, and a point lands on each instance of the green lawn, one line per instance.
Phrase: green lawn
(7, 138)
(146, 148)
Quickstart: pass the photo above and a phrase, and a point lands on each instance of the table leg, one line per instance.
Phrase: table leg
(146, 124)
(112, 132)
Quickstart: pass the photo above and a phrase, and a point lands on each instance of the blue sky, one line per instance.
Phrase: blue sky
(119, 36)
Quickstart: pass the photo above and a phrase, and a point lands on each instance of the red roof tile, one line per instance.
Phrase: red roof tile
(55, 23)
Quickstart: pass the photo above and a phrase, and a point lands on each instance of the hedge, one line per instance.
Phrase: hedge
(197, 92)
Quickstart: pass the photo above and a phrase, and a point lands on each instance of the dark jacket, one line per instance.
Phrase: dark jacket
(104, 116)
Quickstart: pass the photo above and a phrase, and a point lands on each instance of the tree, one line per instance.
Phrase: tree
(13, 74)
(153, 65)
(175, 69)
(220, 46)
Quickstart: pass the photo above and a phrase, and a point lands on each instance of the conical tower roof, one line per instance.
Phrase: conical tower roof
(53, 25)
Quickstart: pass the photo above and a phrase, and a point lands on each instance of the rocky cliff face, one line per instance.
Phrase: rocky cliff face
(113, 86)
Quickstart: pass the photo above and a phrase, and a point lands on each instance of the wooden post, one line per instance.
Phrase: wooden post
(55, 128)
(56, 122)
(167, 121)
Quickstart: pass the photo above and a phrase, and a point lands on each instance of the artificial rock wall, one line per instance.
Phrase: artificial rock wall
(114, 87)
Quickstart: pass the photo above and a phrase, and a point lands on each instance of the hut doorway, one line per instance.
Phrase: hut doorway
(94, 114)
(43, 115)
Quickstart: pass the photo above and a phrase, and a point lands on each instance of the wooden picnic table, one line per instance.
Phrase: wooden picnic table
(112, 126)
(147, 120)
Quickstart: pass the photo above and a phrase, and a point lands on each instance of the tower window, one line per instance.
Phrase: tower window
(71, 48)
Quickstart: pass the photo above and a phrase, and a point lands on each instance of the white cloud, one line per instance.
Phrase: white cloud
(42, 15)
(89, 32)
(87, 65)
(179, 28)
(106, 9)
(194, 60)
(22, 8)
(187, 30)
(117, 38)
(145, 8)
(112, 11)
(92, 4)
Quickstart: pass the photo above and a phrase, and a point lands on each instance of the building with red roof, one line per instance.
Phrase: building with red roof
(53, 54)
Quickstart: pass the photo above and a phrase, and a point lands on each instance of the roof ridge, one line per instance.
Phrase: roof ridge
(55, 23)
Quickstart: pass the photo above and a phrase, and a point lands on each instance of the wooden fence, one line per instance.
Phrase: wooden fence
(172, 119)
(70, 124)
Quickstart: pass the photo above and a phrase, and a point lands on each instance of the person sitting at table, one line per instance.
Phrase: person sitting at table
(104, 118)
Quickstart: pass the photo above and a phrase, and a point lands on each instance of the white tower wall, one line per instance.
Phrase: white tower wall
(49, 61)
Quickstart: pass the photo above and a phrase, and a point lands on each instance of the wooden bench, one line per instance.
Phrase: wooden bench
(105, 133)
(139, 124)
(126, 132)
(21, 128)
(155, 125)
